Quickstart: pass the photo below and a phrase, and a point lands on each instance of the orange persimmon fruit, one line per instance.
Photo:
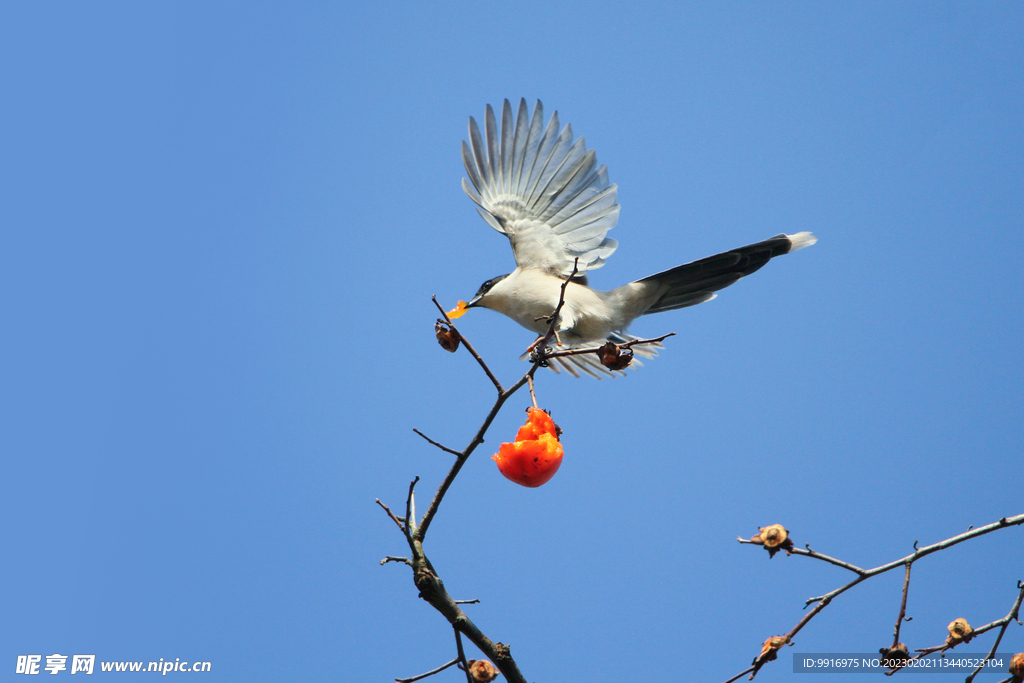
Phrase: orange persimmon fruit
(458, 311)
(534, 457)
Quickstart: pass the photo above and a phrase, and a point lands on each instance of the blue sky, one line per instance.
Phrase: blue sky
(222, 227)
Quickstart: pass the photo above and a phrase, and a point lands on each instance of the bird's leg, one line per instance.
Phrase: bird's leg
(548, 319)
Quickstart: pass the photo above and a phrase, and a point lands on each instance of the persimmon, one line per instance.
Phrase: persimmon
(458, 311)
(534, 457)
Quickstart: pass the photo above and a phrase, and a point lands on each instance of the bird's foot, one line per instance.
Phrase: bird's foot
(535, 351)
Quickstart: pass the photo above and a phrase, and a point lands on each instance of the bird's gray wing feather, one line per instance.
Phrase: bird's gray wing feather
(696, 282)
(543, 190)
(590, 364)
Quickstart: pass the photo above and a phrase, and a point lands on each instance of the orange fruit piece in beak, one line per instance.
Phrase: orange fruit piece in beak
(458, 311)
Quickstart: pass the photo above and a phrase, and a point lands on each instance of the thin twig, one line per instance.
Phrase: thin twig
(825, 558)
(410, 509)
(429, 584)
(503, 396)
(807, 617)
(903, 608)
(462, 656)
(392, 515)
(468, 602)
(392, 558)
(429, 673)
(1014, 611)
(557, 313)
(434, 443)
(469, 347)
(431, 588)
(813, 554)
(533, 395)
(863, 575)
(927, 550)
(741, 675)
(478, 439)
(623, 345)
(1004, 622)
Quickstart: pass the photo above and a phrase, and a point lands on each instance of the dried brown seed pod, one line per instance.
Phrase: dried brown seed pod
(770, 647)
(614, 358)
(959, 632)
(774, 535)
(774, 538)
(448, 337)
(895, 658)
(482, 671)
(1017, 667)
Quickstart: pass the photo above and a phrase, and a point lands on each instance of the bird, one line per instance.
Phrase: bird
(545, 192)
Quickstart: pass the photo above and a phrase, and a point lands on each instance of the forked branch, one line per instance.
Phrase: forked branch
(865, 574)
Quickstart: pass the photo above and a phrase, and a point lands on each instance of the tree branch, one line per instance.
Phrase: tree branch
(1014, 612)
(865, 574)
(429, 673)
(434, 443)
(623, 345)
(469, 347)
(425, 577)
(903, 607)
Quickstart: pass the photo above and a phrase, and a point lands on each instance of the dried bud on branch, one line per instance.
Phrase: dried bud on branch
(959, 632)
(895, 658)
(770, 648)
(482, 671)
(614, 358)
(447, 337)
(1017, 667)
(774, 538)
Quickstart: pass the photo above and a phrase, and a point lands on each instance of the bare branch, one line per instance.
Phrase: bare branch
(1014, 615)
(391, 514)
(741, 675)
(462, 656)
(1001, 624)
(927, 550)
(862, 575)
(429, 673)
(392, 558)
(478, 439)
(807, 617)
(623, 345)
(825, 558)
(469, 347)
(533, 394)
(903, 607)
(410, 509)
(812, 554)
(539, 347)
(434, 443)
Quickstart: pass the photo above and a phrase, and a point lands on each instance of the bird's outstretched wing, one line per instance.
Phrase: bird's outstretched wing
(589, 363)
(542, 190)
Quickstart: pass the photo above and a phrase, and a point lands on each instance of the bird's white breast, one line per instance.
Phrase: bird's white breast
(529, 296)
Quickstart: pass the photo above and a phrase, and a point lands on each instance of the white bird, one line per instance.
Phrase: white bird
(546, 193)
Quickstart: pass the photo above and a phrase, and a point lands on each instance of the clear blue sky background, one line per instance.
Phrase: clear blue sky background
(222, 224)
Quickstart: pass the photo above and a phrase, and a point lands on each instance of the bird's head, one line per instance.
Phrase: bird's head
(480, 299)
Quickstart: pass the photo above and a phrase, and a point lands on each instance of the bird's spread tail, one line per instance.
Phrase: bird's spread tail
(697, 282)
(801, 240)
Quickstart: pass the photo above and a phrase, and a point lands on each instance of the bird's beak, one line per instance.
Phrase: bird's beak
(461, 309)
